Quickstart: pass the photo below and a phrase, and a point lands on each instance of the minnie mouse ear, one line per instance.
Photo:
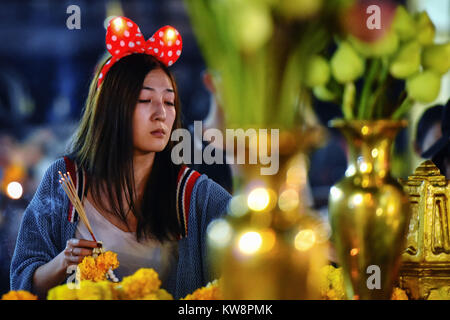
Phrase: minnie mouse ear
(165, 45)
(123, 36)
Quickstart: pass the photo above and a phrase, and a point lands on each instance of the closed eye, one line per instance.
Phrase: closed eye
(145, 101)
(170, 103)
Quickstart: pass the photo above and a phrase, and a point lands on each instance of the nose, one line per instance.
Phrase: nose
(158, 110)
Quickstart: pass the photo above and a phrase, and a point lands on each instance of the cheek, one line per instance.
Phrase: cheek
(139, 117)
(170, 117)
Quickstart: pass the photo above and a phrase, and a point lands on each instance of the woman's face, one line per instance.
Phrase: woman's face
(154, 114)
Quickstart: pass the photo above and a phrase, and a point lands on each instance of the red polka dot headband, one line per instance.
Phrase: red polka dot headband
(123, 37)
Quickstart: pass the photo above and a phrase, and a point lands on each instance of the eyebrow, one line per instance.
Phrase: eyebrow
(152, 89)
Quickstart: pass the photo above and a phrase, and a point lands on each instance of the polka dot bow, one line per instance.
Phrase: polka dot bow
(123, 37)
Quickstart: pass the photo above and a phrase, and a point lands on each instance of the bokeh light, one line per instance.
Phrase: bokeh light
(219, 233)
(305, 239)
(258, 199)
(250, 242)
(118, 23)
(170, 35)
(238, 206)
(289, 200)
(357, 199)
(354, 252)
(14, 190)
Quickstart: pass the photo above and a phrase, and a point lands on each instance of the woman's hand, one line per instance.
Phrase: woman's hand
(54, 272)
(76, 250)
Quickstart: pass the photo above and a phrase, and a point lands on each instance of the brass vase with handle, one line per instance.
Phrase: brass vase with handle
(368, 210)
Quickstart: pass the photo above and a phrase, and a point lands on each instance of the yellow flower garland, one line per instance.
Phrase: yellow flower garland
(332, 285)
(210, 292)
(95, 269)
(144, 284)
(87, 290)
(19, 295)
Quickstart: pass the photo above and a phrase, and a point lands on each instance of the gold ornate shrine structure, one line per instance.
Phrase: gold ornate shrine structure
(426, 259)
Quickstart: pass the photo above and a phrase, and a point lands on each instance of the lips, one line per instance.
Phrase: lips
(158, 133)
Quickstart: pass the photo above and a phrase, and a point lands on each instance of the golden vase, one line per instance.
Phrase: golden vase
(270, 246)
(369, 211)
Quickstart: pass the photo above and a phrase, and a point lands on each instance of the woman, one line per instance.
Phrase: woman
(149, 211)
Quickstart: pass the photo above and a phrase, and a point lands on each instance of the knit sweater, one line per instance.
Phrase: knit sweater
(45, 229)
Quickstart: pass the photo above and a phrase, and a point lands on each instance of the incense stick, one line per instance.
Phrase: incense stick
(69, 188)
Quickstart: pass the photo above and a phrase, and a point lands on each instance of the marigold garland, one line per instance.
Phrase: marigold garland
(87, 290)
(144, 284)
(96, 268)
(19, 295)
(210, 292)
(332, 285)
(161, 294)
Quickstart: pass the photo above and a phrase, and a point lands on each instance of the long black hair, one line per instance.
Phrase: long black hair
(102, 146)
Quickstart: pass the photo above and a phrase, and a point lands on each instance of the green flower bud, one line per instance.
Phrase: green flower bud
(253, 26)
(386, 45)
(407, 61)
(299, 8)
(424, 87)
(425, 29)
(317, 71)
(323, 93)
(404, 24)
(346, 64)
(437, 57)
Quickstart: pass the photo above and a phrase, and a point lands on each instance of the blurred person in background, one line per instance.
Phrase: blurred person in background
(428, 129)
(220, 173)
(439, 151)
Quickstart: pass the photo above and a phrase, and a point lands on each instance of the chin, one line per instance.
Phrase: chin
(153, 147)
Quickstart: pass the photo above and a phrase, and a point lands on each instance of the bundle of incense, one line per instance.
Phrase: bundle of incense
(69, 187)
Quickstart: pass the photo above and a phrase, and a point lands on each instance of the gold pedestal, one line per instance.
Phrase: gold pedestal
(426, 260)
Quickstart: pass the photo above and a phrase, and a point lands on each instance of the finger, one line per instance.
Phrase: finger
(68, 251)
(83, 243)
(81, 252)
(74, 259)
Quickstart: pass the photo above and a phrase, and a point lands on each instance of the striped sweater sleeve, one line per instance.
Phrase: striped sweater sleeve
(212, 202)
(39, 236)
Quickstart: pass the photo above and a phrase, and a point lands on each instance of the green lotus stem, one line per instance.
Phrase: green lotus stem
(404, 107)
(364, 111)
(348, 100)
(374, 101)
(384, 70)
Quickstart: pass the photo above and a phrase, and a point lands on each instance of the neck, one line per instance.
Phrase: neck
(142, 164)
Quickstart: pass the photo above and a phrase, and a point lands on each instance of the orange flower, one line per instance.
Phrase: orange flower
(95, 269)
(143, 282)
(19, 295)
(210, 292)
